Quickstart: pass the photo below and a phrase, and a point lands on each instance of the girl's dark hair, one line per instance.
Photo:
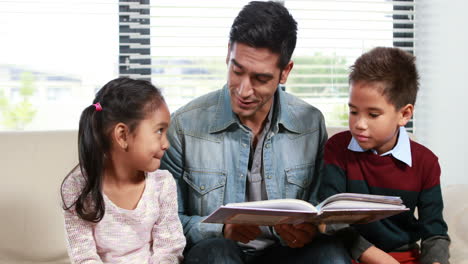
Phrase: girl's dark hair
(122, 100)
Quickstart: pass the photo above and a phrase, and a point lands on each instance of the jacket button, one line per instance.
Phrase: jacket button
(202, 187)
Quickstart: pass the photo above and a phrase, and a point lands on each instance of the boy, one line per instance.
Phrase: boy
(376, 156)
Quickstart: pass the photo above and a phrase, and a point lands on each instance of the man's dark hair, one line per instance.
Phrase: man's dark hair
(392, 66)
(266, 25)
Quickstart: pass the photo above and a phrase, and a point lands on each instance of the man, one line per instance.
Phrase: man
(250, 141)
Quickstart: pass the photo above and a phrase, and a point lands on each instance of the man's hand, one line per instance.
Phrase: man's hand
(296, 236)
(242, 233)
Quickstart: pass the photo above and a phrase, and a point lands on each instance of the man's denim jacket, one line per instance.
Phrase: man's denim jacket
(209, 156)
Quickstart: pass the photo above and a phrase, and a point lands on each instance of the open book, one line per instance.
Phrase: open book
(346, 208)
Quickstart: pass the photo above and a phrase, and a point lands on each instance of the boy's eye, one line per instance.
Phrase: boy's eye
(352, 112)
(159, 131)
(373, 115)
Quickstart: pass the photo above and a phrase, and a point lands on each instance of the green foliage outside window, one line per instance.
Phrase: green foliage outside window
(319, 76)
(18, 115)
(322, 76)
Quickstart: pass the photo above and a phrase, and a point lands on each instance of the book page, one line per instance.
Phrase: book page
(356, 216)
(382, 199)
(340, 219)
(265, 220)
(363, 205)
(256, 216)
(278, 204)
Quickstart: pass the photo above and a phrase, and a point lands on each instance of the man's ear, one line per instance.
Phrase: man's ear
(285, 72)
(406, 112)
(121, 135)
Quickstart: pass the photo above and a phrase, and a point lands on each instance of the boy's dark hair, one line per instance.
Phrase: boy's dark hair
(123, 100)
(392, 66)
(266, 25)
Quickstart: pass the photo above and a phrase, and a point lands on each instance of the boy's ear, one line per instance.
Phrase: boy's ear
(121, 135)
(406, 113)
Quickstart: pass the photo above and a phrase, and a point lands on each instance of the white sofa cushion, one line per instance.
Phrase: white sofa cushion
(33, 165)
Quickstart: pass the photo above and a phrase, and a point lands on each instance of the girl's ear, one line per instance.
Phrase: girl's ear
(121, 135)
(406, 114)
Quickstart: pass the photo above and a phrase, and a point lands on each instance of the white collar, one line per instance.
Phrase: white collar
(401, 151)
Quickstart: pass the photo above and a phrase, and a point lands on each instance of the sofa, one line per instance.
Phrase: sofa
(33, 165)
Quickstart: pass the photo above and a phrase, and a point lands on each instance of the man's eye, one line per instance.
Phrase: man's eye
(236, 70)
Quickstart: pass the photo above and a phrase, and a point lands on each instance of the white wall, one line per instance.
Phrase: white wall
(442, 106)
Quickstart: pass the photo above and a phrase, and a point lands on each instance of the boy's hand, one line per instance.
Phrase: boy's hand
(296, 236)
(242, 233)
(374, 255)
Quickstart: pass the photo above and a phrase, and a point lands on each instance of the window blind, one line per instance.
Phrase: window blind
(188, 46)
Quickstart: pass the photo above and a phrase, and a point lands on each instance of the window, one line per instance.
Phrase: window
(54, 54)
(188, 44)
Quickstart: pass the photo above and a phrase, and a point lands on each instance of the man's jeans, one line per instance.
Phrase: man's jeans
(324, 249)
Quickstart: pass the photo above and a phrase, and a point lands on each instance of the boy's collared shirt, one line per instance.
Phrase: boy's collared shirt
(401, 151)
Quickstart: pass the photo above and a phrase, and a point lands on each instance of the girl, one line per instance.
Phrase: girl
(118, 207)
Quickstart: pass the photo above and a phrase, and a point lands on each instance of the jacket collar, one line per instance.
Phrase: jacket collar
(225, 117)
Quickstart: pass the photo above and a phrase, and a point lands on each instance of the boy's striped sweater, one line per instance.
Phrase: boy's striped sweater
(418, 186)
